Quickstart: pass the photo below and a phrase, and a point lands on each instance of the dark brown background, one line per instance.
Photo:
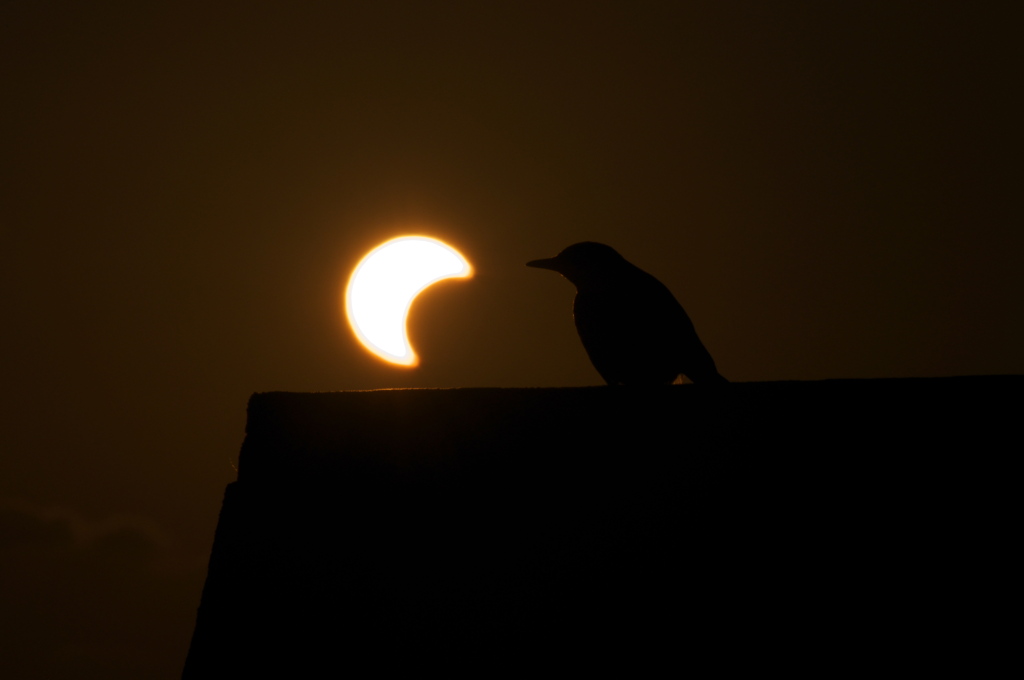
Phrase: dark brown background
(831, 189)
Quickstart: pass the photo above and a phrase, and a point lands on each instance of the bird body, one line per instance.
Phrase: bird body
(632, 327)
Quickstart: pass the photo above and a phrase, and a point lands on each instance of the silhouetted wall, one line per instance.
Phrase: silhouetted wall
(473, 531)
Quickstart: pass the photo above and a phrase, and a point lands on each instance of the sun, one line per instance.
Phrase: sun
(382, 287)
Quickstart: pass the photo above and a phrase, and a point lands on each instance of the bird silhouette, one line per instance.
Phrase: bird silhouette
(634, 330)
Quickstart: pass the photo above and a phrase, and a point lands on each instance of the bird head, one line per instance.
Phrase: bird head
(585, 264)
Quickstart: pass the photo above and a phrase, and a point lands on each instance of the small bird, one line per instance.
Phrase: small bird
(634, 330)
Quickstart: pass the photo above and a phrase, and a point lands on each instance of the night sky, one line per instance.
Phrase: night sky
(832, 190)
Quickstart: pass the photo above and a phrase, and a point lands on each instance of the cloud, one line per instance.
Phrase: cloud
(24, 528)
(87, 597)
(35, 529)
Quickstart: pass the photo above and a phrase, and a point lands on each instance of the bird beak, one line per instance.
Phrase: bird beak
(550, 263)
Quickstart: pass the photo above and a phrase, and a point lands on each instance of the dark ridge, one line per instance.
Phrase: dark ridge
(788, 525)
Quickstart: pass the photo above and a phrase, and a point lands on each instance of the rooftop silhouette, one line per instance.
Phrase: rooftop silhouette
(841, 523)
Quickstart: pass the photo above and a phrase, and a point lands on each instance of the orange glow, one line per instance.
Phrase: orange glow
(384, 284)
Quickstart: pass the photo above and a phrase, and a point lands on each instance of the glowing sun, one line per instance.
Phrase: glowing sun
(384, 284)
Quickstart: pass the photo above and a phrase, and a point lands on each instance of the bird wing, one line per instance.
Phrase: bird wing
(637, 333)
(629, 334)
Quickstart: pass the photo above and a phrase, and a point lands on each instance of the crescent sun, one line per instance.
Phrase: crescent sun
(384, 284)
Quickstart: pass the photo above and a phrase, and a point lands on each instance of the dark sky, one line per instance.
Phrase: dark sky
(831, 189)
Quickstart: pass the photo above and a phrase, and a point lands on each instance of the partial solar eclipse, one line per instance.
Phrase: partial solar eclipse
(384, 284)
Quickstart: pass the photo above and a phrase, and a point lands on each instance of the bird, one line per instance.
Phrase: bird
(632, 327)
